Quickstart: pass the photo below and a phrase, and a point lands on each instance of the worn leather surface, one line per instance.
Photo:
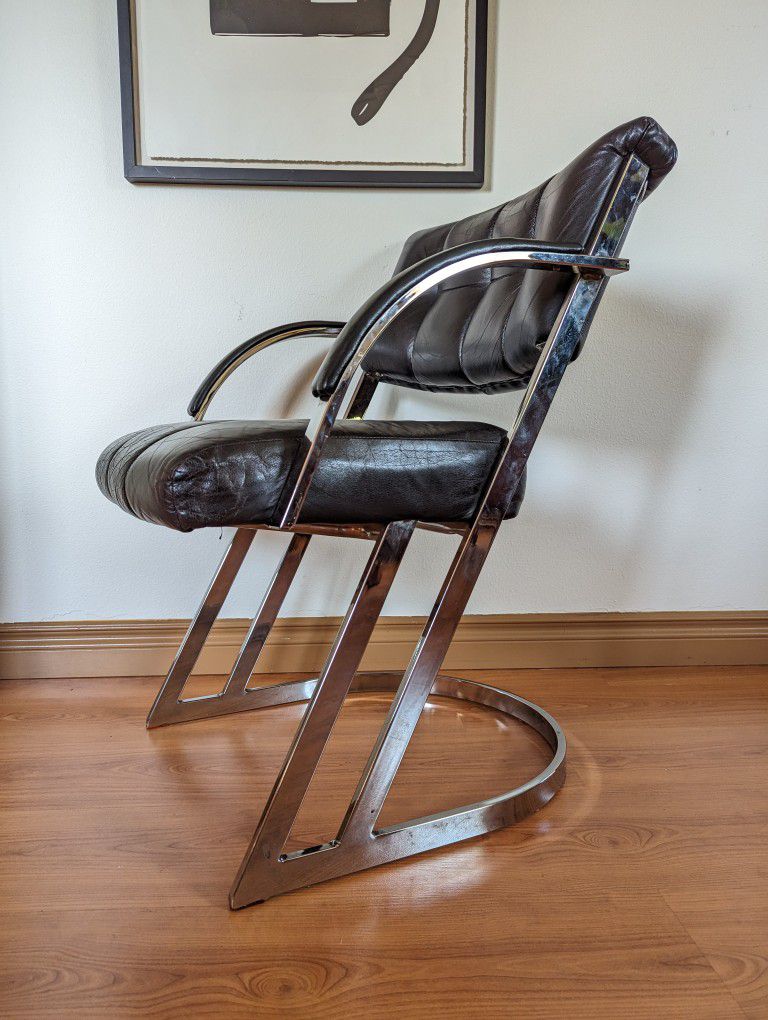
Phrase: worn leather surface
(213, 474)
(481, 332)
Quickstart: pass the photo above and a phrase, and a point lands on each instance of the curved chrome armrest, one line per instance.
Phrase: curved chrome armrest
(218, 375)
(369, 322)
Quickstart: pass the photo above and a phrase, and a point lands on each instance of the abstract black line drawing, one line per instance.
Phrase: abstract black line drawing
(347, 18)
(201, 106)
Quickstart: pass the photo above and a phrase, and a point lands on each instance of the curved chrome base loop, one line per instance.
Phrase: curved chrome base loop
(266, 870)
(529, 797)
(272, 875)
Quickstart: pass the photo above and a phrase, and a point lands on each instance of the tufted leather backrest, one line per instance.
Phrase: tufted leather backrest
(482, 331)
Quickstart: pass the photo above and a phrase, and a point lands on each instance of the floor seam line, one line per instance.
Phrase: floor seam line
(705, 954)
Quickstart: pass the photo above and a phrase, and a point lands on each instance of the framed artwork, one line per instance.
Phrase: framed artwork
(367, 93)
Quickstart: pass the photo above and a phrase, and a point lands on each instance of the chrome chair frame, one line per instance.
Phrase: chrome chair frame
(266, 870)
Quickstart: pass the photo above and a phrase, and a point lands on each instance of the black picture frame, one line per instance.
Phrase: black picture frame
(137, 173)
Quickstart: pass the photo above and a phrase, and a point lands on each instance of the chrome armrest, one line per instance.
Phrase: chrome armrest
(218, 375)
(332, 384)
(367, 324)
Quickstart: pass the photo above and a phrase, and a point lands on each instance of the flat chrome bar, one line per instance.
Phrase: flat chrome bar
(369, 531)
(296, 870)
(321, 714)
(262, 624)
(623, 204)
(212, 706)
(236, 695)
(563, 341)
(169, 695)
(409, 701)
(366, 530)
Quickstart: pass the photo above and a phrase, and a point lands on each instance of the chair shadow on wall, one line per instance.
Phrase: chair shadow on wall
(639, 400)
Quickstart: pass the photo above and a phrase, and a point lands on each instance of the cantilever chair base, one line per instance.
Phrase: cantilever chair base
(293, 871)
(266, 871)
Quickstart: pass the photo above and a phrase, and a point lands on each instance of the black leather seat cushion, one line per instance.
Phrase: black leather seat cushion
(212, 474)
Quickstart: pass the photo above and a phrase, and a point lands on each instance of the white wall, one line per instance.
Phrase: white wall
(648, 489)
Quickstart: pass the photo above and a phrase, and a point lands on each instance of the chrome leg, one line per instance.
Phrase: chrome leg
(266, 871)
(255, 877)
(411, 696)
(164, 709)
(169, 706)
(237, 682)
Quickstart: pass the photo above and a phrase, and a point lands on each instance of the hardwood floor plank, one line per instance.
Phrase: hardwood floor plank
(638, 892)
(732, 929)
(576, 956)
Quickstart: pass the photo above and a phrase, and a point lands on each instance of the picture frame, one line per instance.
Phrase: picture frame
(230, 92)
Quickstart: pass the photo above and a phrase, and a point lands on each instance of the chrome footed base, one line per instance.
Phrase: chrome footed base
(266, 870)
(355, 849)
(267, 876)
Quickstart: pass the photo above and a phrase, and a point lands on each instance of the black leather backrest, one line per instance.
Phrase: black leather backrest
(482, 331)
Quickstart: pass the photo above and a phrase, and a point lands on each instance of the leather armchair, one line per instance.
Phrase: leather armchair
(502, 300)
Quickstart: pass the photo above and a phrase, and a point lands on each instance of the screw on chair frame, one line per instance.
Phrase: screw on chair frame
(266, 870)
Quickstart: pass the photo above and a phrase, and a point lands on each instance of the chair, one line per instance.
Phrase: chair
(502, 300)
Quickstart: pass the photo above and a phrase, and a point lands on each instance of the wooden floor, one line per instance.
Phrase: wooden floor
(640, 891)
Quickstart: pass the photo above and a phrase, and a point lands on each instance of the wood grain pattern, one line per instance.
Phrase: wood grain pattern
(640, 891)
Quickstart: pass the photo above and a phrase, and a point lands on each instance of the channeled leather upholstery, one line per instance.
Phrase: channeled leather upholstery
(479, 332)
(213, 474)
(482, 331)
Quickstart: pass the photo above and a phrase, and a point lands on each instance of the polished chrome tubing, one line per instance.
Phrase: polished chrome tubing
(562, 343)
(170, 706)
(622, 205)
(267, 871)
(408, 703)
(358, 843)
(295, 870)
(270, 875)
(166, 707)
(255, 346)
(258, 632)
